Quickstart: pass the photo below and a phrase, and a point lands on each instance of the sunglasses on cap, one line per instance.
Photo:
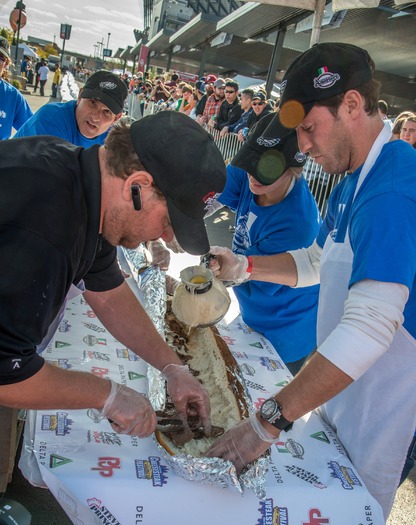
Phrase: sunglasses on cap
(258, 103)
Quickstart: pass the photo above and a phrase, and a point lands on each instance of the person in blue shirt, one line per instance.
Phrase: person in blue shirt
(275, 212)
(361, 379)
(14, 110)
(86, 121)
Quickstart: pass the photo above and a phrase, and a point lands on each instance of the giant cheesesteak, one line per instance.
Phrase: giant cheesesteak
(210, 360)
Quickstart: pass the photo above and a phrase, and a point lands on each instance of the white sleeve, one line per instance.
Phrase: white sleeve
(373, 312)
(307, 262)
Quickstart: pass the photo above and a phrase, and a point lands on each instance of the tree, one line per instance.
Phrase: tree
(7, 33)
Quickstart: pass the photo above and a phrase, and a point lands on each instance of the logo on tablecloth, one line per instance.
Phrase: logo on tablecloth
(125, 353)
(99, 356)
(305, 475)
(107, 465)
(64, 326)
(271, 515)
(61, 363)
(151, 469)
(271, 364)
(346, 475)
(57, 461)
(247, 369)
(102, 512)
(244, 328)
(315, 518)
(94, 327)
(91, 340)
(106, 438)
(59, 423)
(320, 436)
(292, 447)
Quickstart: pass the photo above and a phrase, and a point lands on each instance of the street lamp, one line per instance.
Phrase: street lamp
(108, 40)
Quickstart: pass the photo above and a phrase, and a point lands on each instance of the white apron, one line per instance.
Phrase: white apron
(375, 417)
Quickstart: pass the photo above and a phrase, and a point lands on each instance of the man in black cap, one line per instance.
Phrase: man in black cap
(63, 209)
(363, 374)
(85, 121)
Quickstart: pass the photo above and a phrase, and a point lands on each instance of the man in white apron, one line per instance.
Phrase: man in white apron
(363, 374)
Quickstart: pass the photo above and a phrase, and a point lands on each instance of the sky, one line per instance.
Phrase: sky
(91, 21)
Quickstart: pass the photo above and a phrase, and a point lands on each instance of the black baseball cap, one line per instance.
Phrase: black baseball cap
(321, 72)
(4, 47)
(107, 88)
(186, 166)
(266, 158)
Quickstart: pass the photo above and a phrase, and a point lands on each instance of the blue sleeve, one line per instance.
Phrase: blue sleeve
(22, 113)
(383, 239)
(44, 122)
(236, 180)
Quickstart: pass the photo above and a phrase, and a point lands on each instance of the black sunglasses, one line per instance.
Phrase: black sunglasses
(257, 103)
(229, 92)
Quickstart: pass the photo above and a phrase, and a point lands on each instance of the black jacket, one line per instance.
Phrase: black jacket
(253, 118)
(229, 114)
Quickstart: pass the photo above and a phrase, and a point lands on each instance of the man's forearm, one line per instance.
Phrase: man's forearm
(279, 268)
(53, 387)
(124, 317)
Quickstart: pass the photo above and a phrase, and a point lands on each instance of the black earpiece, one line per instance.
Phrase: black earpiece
(136, 196)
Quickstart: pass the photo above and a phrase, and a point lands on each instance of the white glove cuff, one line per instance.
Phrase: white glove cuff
(169, 368)
(259, 429)
(110, 398)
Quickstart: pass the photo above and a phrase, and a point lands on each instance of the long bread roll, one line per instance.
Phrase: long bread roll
(210, 359)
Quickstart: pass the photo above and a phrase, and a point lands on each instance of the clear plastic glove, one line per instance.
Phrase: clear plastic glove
(229, 266)
(189, 396)
(160, 255)
(129, 412)
(174, 246)
(242, 444)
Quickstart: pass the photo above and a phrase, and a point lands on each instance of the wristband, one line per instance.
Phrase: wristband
(249, 268)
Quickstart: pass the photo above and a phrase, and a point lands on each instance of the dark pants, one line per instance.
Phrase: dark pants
(410, 460)
(36, 83)
(54, 90)
(42, 87)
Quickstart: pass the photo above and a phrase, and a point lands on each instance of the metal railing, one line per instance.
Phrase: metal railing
(320, 183)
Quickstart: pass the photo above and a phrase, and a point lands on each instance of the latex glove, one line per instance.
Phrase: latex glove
(242, 444)
(228, 266)
(160, 255)
(129, 412)
(174, 246)
(189, 396)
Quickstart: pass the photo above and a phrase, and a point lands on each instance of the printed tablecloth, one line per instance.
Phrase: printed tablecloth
(100, 477)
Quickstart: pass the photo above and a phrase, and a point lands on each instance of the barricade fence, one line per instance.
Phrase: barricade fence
(320, 183)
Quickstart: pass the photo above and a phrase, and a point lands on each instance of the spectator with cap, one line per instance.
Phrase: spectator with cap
(362, 376)
(245, 103)
(87, 120)
(200, 90)
(61, 219)
(159, 92)
(14, 110)
(275, 212)
(213, 104)
(261, 108)
(230, 109)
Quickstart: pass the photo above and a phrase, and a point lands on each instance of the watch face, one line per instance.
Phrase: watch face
(269, 408)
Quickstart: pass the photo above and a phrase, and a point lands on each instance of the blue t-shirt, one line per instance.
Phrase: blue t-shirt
(381, 222)
(58, 119)
(14, 110)
(286, 316)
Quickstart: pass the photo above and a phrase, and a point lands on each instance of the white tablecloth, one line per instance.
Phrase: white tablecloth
(99, 476)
